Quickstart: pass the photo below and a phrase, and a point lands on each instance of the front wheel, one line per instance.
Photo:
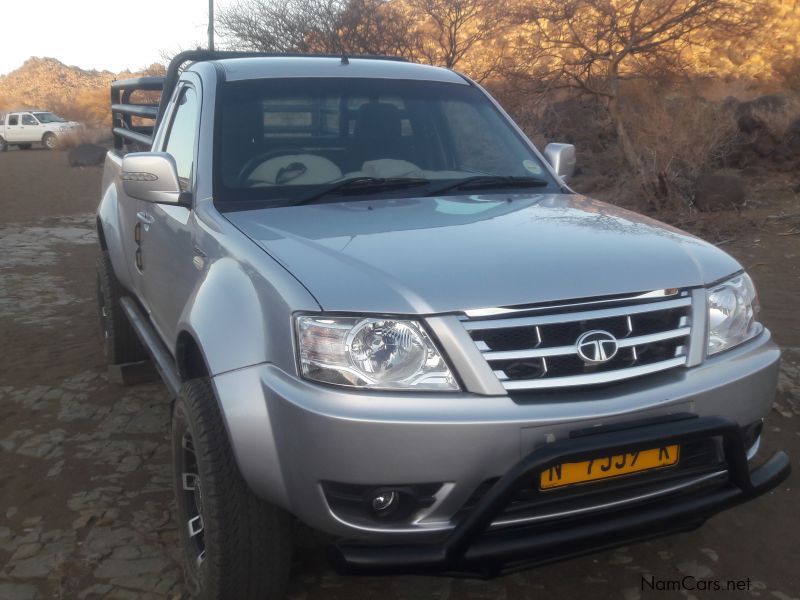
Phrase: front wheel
(3, 145)
(234, 544)
(50, 141)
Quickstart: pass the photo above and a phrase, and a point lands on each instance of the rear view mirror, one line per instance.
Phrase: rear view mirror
(562, 158)
(152, 177)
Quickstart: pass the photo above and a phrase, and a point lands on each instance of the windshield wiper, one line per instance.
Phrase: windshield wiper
(480, 182)
(360, 185)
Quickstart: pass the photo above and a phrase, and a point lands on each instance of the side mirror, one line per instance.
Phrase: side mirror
(152, 177)
(562, 158)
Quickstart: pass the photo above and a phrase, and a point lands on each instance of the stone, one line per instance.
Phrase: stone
(98, 590)
(126, 553)
(37, 567)
(770, 103)
(750, 124)
(765, 144)
(114, 568)
(719, 191)
(792, 137)
(19, 591)
(26, 551)
(710, 553)
(694, 569)
(56, 469)
(86, 155)
(31, 521)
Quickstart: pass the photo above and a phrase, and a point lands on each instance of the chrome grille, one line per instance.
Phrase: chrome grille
(536, 347)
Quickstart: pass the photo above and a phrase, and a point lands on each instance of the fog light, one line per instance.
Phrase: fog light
(384, 502)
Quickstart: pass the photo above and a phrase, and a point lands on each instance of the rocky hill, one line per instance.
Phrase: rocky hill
(73, 92)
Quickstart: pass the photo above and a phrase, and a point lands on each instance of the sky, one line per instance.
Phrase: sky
(88, 33)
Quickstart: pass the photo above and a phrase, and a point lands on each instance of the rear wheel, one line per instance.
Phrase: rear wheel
(50, 141)
(122, 345)
(234, 544)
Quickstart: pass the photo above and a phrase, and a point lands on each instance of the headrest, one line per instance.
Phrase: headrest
(377, 120)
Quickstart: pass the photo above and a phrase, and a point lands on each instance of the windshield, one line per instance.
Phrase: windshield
(48, 117)
(287, 139)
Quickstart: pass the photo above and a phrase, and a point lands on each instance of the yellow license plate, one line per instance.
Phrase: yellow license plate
(608, 466)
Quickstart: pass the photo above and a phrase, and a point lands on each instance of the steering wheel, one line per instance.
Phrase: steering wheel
(253, 163)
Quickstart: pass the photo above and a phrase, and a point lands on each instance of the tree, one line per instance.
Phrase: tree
(283, 26)
(440, 32)
(450, 30)
(593, 45)
(379, 27)
(323, 26)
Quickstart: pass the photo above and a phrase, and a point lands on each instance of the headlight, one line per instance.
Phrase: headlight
(371, 353)
(732, 310)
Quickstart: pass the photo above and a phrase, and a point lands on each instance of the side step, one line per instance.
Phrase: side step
(133, 373)
(158, 352)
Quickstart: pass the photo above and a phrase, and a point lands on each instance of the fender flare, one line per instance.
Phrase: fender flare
(221, 317)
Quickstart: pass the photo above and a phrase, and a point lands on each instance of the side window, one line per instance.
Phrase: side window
(13, 119)
(29, 120)
(182, 135)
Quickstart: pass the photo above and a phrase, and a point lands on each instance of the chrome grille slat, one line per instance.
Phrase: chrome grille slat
(537, 352)
(593, 378)
(494, 312)
(567, 350)
(617, 311)
(529, 353)
(654, 337)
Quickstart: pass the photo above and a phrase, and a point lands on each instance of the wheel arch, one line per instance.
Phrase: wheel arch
(189, 358)
(101, 236)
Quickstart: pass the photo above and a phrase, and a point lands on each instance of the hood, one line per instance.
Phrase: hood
(434, 255)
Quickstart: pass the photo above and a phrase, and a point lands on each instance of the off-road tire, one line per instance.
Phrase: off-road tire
(3, 145)
(50, 141)
(121, 343)
(246, 543)
(24, 146)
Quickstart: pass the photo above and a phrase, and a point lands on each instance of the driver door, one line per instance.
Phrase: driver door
(14, 130)
(30, 129)
(168, 273)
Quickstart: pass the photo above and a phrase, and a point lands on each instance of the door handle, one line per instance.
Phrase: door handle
(146, 219)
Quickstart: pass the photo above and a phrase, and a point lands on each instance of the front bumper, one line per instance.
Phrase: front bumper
(472, 548)
(290, 436)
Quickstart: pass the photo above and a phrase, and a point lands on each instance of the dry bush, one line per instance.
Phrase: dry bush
(679, 136)
(789, 72)
(777, 120)
(76, 137)
(91, 107)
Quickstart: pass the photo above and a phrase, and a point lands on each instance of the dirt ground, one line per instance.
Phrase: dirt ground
(86, 507)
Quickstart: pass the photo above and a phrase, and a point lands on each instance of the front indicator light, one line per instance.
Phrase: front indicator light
(732, 310)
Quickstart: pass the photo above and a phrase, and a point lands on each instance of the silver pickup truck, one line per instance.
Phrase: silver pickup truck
(381, 311)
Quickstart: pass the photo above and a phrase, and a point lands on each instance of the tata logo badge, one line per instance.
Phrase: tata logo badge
(596, 347)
